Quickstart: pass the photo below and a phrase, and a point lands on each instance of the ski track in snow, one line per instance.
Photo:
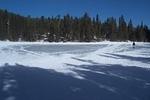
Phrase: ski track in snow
(106, 53)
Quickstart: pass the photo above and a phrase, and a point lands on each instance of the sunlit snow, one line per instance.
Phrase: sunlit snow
(61, 56)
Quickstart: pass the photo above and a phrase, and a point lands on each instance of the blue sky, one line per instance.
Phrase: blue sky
(137, 10)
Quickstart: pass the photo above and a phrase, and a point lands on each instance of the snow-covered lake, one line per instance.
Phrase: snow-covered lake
(57, 56)
(74, 71)
(61, 56)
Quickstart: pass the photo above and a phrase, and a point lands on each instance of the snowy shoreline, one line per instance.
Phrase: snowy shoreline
(68, 43)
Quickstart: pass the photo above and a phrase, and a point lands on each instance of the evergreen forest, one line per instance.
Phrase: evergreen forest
(15, 27)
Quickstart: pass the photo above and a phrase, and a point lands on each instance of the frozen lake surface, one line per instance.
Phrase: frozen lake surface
(74, 71)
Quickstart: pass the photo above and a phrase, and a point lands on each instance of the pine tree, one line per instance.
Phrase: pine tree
(122, 29)
(131, 31)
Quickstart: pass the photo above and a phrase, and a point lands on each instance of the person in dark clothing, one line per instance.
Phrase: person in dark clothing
(133, 44)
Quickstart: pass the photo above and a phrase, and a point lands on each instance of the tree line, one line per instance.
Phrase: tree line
(69, 28)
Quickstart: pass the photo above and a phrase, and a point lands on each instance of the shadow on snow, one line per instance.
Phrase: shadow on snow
(102, 82)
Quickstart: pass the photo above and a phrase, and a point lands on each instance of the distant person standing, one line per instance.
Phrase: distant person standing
(133, 44)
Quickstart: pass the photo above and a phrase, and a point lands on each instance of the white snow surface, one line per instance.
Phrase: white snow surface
(61, 56)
